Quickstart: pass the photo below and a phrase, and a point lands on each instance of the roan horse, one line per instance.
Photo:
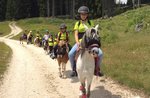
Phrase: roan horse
(62, 58)
(85, 62)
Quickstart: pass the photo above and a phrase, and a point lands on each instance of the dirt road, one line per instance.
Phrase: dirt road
(32, 74)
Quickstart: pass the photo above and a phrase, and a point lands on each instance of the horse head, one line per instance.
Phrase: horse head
(91, 40)
(62, 49)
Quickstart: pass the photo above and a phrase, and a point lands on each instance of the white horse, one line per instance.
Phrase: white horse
(85, 62)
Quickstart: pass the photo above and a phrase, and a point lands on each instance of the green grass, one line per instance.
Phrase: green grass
(126, 52)
(43, 24)
(5, 55)
(4, 28)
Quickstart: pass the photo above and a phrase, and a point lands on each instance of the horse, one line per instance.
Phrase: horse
(37, 41)
(86, 59)
(29, 39)
(23, 37)
(46, 46)
(62, 58)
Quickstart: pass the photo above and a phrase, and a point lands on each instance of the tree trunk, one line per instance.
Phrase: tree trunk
(73, 8)
(48, 9)
(53, 8)
(61, 7)
(133, 2)
(139, 3)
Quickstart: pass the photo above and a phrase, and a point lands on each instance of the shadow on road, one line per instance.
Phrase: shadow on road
(100, 92)
(73, 79)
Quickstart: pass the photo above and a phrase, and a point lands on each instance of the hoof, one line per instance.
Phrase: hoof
(84, 96)
(60, 76)
(64, 77)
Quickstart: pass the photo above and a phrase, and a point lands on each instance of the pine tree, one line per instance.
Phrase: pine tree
(42, 7)
(2, 9)
(10, 11)
(34, 8)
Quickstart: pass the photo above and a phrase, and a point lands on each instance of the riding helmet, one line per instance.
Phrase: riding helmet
(62, 26)
(83, 10)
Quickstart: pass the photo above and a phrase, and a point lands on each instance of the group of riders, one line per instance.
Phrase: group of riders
(50, 42)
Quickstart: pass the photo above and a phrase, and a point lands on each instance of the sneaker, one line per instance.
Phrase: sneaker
(100, 74)
(74, 74)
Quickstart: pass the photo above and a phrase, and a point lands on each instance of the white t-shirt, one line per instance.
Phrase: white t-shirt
(46, 37)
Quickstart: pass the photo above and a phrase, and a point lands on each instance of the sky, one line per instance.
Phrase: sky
(122, 1)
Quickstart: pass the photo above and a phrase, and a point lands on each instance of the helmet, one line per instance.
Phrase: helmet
(63, 25)
(51, 35)
(55, 35)
(83, 9)
(47, 31)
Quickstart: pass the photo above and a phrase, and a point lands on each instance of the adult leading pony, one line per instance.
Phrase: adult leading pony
(62, 58)
(85, 62)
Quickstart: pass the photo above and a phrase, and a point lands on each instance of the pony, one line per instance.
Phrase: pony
(23, 37)
(46, 46)
(62, 58)
(29, 39)
(89, 49)
(37, 42)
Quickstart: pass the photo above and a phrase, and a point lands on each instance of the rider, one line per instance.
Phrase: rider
(50, 43)
(79, 30)
(45, 37)
(29, 37)
(38, 35)
(55, 40)
(62, 35)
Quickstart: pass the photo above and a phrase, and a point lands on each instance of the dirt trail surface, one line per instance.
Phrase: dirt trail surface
(32, 74)
(15, 30)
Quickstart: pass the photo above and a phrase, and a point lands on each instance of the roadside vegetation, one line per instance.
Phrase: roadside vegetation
(126, 49)
(4, 28)
(5, 56)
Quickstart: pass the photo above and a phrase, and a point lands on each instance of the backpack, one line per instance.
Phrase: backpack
(66, 36)
(89, 22)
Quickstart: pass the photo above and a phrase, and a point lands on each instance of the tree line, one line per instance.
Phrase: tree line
(19, 9)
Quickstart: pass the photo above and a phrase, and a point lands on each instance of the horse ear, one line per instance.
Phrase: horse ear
(96, 27)
(86, 27)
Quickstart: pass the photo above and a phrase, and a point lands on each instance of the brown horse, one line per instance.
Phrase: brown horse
(62, 58)
(37, 42)
(23, 37)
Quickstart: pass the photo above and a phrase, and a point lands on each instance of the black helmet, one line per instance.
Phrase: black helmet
(63, 25)
(83, 9)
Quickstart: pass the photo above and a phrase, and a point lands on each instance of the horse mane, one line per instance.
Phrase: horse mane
(84, 43)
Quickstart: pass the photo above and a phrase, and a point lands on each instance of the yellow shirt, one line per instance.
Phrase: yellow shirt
(80, 26)
(50, 42)
(62, 36)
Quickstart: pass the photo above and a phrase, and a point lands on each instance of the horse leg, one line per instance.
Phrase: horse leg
(63, 70)
(22, 41)
(82, 87)
(89, 81)
(82, 90)
(60, 75)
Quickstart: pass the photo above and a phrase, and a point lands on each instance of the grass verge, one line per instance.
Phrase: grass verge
(5, 56)
(4, 28)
